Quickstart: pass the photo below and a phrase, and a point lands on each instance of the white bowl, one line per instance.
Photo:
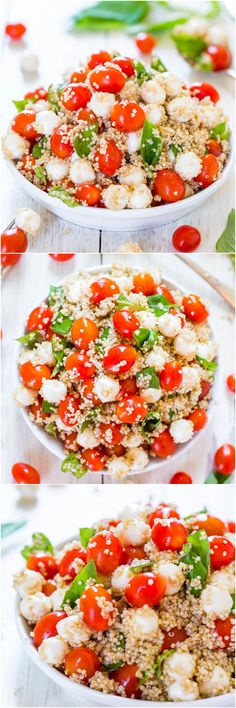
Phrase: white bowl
(55, 445)
(127, 219)
(89, 696)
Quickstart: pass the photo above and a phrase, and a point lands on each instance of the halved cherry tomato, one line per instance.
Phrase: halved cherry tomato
(82, 661)
(169, 535)
(38, 94)
(120, 359)
(60, 141)
(169, 186)
(72, 562)
(83, 332)
(164, 445)
(145, 42)
(36, 410)
(87, 116)
(88, 193)
(75, 96)
(171, 376)
(117, 450)
(111, 433)
(222, 551)
(225, 630)
(61, 257)
(125, 323)
(70, 441)
(49, 587)
(131, 409)
(33, 376)
(47, 626)
(128, 387)
(93, 614)
(78, 76)
(231, 526)
(211, 524)
(46, 565)
(200, 91)
(87, 391)
(68, 409)
(25, 474)
(181, 478)
(209, 171)
(22, 124)
(172, 638)
(162, 290)
(145, 589)
(39, 318)
(28, 163)
(199, 419)
(127, 117)
(106, 551)
(220, 57)
(194, 309)
(13, 242)
(15, 31)
(186, 239)
(103, 288)
(126, 677)
(125, 64)
(162, 512)
(94, 458)
(144, 283)
(205, 388)
(109, 158)
(107, 79)
(231, 383)
(214, 147)
(224, 459)
(80, 365)
(131, 553)
(99, 58)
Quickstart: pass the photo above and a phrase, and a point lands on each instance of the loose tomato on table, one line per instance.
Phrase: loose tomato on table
(111, 433)
(131, 553)
(204, 90)
(106, 551)
(145, 589)
(61, 257)
(25, 474)
(46, 565)
(162, 512)
(125, 64)
(94, 458)
(47, 626)
(169, 535)
(39, 318)
(83, 332)
(127, 116)
(145, 42)
(225, 629)
(209, 171)
(224, 459)
(69, 565)
(103, 288)
(222, 551)
(33, 376)
(198, 418)
(88, 193)
(80, 365)
(172, 638)
(120, 359)
(169, 186)
(181, 478)
(220, 57)
(171, 376)
(60, 141)
(126, 677)
(186, 239)
(131, 409)
(14, 242)
(22, 124)
(15, 31)
(194, 309)
(98, 58)
(81, 660)
(75, 96)
(125, 322)
(214, 147)
(92, 609)
(163, 445)
(144, 283)
(231, 383)
(68, 409)
(109, 158)
(107, 79)
(211, 525)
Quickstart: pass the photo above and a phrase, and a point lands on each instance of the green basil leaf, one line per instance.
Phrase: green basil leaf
(62, 324)
(53, 98)
(60, 193)
(149, 377)
(150, 422)
(204, 64)
(20, 105)
(141, 72)
(220, 131)
(226, 242)
(85, 533)
(233, 600)
(56, 294)
(58, 349)
(214, 11)
(90, 418)
(208, 365)
(123, 301)
(188, 45)
(157, 64)
(39, 146)
(151, 143)
(41, 174)
(158, 666)
(145, 338)
(103, 336)
(111, 13)
(30, 339)
(113, 667)
(159, 304)
(40, 542)
(77, 587)
(140, 566)
(176, 149)
(85, 140)
(48, 407)
(196, 555)
(72, 464)
(121, 642)
(171, 414)
(157, 27)
(11, 527)
(51, 429)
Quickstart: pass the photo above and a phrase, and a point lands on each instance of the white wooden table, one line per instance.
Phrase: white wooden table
(27, 284)
(57, 49)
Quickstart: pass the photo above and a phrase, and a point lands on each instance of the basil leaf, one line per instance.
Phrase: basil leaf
(158, 666)
(85, 140)
(123, 301)
(196, 555)
(111, 13)
(151, 143)
(62, 324)
(176, 149)
(90, 418)
(72, 464)
(157, 27)
(145, 338)
(85, 534)
(77, 587)
(220, 131)
(233, 605)
(149, 377)
(51, 429)
(150, 422)
(159, 304)
(39, 146)
(60, 193)
(226, 242)
(30, 339)
(157, 64)
(214, 11)
(188, 45)
(53, 98)
(103, 336)
(121, 642)
(41, 174)
(141, 72)
(208, 365)
(48, 407)
(40, 543)
(20, 105)
(11, 527)
(55, 294)
(113, 667)
(171, 414)
(58, 350)
(204, 64)
(139, 567)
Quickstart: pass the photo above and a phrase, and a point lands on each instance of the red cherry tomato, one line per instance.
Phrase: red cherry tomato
(231, 526)
(171, 376)
(209, 171)
(22, 124)
(205, 388)
(199, 419)
(106, 551)
(225, 630)
(107, 79)
(93, 614)
(46, 565)
(125, 64)
(144, 283)
(33, 376)
(125, 323)
(80, 365)
(200, 91)
(15, 31)
(194, 309)
(120, 359)
(75, 96)
(164, 445)
(169, 186)
(103, 288)
(162, 290)
(68, 409)
(81, 661)
(87, 116)
(47, 626)
(71, 563)
(88, 193)
(39, 318)
(38, 94)
(60, 141)
(126, 677)
(111, 433)
(109, 158)
(222, 551)
(231, 383)
(131, 409)
(49, 587)
(61, 257)
(186, 239)
(36, 410)
(145, 589)
(214, 147)
(220, 57)
(83, 332)
(94, 459)
(70, 442)
(25, 474)
(172, 638)
(13, 242)
(162, 512)
(211, 524)
(127, 117)
(169, 535)
(131, 553)
(98, 59)
(224, 459)
(87, 391)
(78, 76)
(181, 478)
(128, 387)
(145, 42)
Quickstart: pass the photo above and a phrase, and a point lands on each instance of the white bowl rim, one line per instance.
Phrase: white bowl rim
(54, 445)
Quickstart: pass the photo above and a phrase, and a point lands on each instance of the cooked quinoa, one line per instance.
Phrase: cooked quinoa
(109, 614)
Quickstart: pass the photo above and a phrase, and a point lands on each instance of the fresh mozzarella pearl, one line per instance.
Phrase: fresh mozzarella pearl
(131, 175)
(215, 682)
(56, 168)
(40, 105)
(223, 579)
(208, 113)
(216, 601)
(157, 358)
(53, 651)
(29, 63)
(153, 92)
(46, 122)
(15, 146)
(190, 378)
(45, 354)
(88, 439)
(185, 343)
(133, 440)
(154, 113)
(216, 35)
(137, 458)
(32, 607)
(27, 582)
(57, 597)
(169, 325)
(73, 630)
(102, 103)
(140, 197)
(207, 350)
(75, 290)
(106, 388)
(25, 396)
(81, 171)
(181, 109)
(188, 165)
(118, 467)
(147, 319)
(116, 197)
(133, 142)
(27, 355)
(53, 390)
(120, 578)
(180, 665)
(151, 395)
(181, 430)
(173, 576)
(144, 622)
(183, 690)
(132, 532)
(172, 84)
(28, 220)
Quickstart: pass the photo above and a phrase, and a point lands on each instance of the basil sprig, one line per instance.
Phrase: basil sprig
(72, 464)
(90, 419)
(103, 336)
(30, 339)
(58, 350)
(148, 377)
(196, 555)
(62, 324)
(51, 429)
(85, 140)
(138, 568)
(56, 294)
(208, 365)
(21, 105)
(123, 301)
(159, 304)
(141, 72)
(78, 585)
(65, 196)
(85, 533)
(151, 143)
(150, 422)
(145, 338)
(157, 64)
(41, 174)
(40, 542)
(39, 146)
(48, 407)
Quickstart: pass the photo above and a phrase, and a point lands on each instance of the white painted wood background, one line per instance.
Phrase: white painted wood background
(27, 284)
(57, 49)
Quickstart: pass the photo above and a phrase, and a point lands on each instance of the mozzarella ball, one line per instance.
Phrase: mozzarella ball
(223, 579)
(216, 35)
(183, 690)
(40, 105)
(28, 220)
(137, 458)
(102, 103)
(14, 146)
(209, 114)
(116, 197)
(144, 622)
(151, 395)
(25, 396)
(88, 439)
(53, 651)
(32, 607)
(133, 439)
(75, 290)
(185, 343)
(133, 142)
(29, 63)
(27, 582)
(154, 113)
(215, 682)
(153, 92)
(181, 430)
(131, 175)
(56, 598)
(46, 122)
(169, 325)
(147, 319)
(157, 358)
(132, 532)
(181, 109)
(216, 601)
(53, 390)
(118, 467)
(188, 165)
(172, 84)
(180, 665)
(57, 169)
(120, 578)
(73, 630)
(81, 171)
(207, 350)
(140, 197)
(190, 378)
(173, 576)
(45, 354)
(106, 388)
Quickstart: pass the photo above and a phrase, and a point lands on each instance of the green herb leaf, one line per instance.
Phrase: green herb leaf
(141, 72)
(196, 555)
(113, 667)
(151, 143)
(85, 140)
(123, 301)
(214, 11)
(137, 568)
(60, 193)
(149, 377)
(56, 294)
(85, 533)
(233, 605)
(90, 418)
(103, 336)
(47, 407)
(157, 64)
(226, 242)
(188, 45)
(40, 542)
(220, 131)
(110, 14)
(53, 98)
(41, 174)
(150, 422)
(30, 339)
(39, 146)
(158, 666)
(58, 349)
(72, 464)
(51, 429)
(157, 27)
(145, 338)
(204, 64)
(20, 105)
(77, 587)
(159, 304)
(121, 642)
(208, 365)
(62, 324)
(176, 149)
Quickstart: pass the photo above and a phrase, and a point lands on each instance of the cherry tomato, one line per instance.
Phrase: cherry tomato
(70, 441)
(186, 239)
(25, 474)
(144, 283)
(109, 158)
(128, 387)
(164, 445)
(162, 512)
(199, 419)
(75, 96)
(126, 677)
(162, 290)
(81, 660)
(231, 383)
(61, 257)
(169, 186)
(13, 242)
(87, 116)
(33, 376)
(92, 612)
(28, 163)
(94, 458)
(220, 57)
(125, 64)
(200, 91)
(72, 561)
(98, 59)
(169, 535)
(118, 450)
(111, 433)
(83, 332)
(125, 323)
(107, 79)
(145, 589)
(49, 587)
(22, 124)
(211, 524)
(15, 31)
(38, 94)
(224, 459)
(214, 147)
(47, 626)
(103, 288)
(231, 526)
(80, 365)
(172, 638)
(145, 42)
(39, 318)
(131, 553)
(194, 309)
(171, 376)
(88, 193)
(181, 478)
(205, 388)
(46, 565)
(225, 630)
(222, 551)
(131, 409)
(120, 359)
(78, 76)
(87, 391)
(106, 551)
(36, 410)
(127, 117)
(68, 409)
(60, 142)
(209, 171)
